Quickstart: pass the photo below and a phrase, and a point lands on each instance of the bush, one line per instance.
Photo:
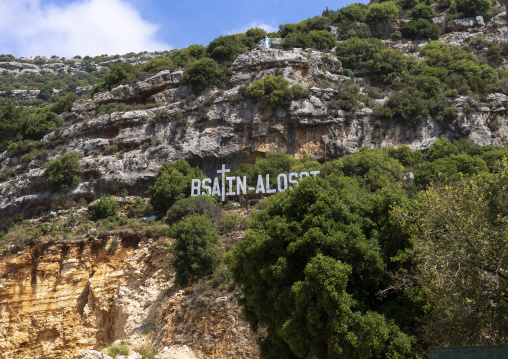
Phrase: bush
(354, 29)
(139, 209)
(351, 13)
(119, 74)
(205, 205)
(382, 12)
(63, 173)
(202, 73)
(229, 222)
(173, 182)
(275, 90)
(106, 207)
(194, 251)
(226, 48)
(295, 40)
(473, 7)
(256, 34)
(353, 52)
(322, 39)
(422, 11)
(64, 103)
(420, 29)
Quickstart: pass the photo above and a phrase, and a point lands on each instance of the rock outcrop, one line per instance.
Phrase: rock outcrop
(59, 300)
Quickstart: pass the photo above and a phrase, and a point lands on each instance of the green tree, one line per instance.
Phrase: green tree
(63, 173)
(274, 89)
(226, 48)
(421, 29)
(354, 52)
(194, 251)
(460, 236)
(173, 182)
(308, 270)
(106, 207)
(322, 39)
(119, 74)
(473, 7)
(422, 11)
(384, 12)
(202, 73)
(256, 34)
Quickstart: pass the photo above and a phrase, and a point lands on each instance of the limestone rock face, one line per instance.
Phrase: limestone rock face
(59, 300)
(163, 120)
(465, 23)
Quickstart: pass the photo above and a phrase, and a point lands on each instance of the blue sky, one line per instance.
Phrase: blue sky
(94, 27)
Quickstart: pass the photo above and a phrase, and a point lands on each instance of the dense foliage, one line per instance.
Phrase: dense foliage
(273, 90)
(194, 251)
(63, 173)
(105, 207)
(460, 237)
(173, 183)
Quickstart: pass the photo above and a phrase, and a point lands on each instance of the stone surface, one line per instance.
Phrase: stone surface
(465, 23)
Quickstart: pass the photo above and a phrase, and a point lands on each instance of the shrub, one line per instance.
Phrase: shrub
(229, 222)
(396, 35)
(194, 251)
(63, 173)
(317, 23)
(64, 103)
(256, 34)
(388, 64)
(157, 65)
(139, 209)
(275, 90)
(353, 52)
(382, 12)
(422, 11)
(322, 39)
(351, 13)
(106, 207)
(205, 205)
(202, 73)
(354, 29)
(420, 29)
(407, 4)
(287, 30)
(6, 174)
(226, 48)
(473, 7)
(173, 182)
(296, 40)
(115, 350)
(119, 74)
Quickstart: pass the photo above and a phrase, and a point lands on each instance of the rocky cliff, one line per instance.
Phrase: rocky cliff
(58, 299)
(164, 120)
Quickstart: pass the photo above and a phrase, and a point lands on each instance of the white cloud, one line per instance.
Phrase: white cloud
(82, 27)
(261, 24)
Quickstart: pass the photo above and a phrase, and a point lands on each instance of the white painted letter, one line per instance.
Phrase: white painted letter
(196, 183)
(260, 188)
(241, 185)
(292, 179)
(230, 181)
(208, 189)
(304, 174)
(216, 187)
(268, 190)
(279, 187)
(315, 173)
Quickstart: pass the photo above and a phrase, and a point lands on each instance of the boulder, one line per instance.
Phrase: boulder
(465, 23)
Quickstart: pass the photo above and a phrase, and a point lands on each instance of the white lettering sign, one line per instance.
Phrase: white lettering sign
(237, 186)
